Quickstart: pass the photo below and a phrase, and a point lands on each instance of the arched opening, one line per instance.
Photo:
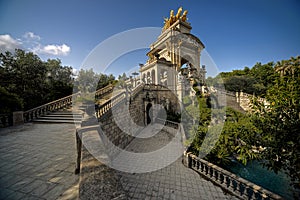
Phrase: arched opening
(148, 78)
(153, 76)
(149, 114)
(144, 78)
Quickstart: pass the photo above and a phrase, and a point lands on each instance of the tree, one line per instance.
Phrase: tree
(87, 80)
(121, 80)
(105, 80)
(240, 83)
(9, 102)
(26, 79)
(278, 120)
(237, 139)
(58, 79)
(90, 81)
(26, 74)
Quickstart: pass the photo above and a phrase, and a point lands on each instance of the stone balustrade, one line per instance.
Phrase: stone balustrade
(168, 123)
(104, 108)
(34, 113)
(103, 91)
(136, 90)
(232, 183)
(6, 120)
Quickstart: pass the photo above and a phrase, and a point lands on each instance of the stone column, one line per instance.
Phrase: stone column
(18, 118)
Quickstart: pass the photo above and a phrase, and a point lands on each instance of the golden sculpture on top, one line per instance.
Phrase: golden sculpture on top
(169, 21)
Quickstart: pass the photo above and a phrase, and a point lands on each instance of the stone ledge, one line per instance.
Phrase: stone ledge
(98, 181)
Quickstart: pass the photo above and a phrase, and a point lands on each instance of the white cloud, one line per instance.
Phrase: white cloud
(31, 36)
(55, 49)
(7, 43)
(31, 42)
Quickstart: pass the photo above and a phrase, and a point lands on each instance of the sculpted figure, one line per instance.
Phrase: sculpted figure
(169, 21)
(178, 14)
(183, 17)
(173, 18)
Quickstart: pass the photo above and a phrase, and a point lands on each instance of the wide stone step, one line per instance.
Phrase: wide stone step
(60, 117)
(63, 116)
(55, 121)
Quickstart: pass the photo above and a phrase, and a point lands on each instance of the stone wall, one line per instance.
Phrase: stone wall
(125, 120)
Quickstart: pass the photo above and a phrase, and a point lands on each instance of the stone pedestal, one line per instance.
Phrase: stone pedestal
(18, 118)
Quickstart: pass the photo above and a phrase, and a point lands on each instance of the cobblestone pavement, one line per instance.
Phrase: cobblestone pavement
(38, 162)
(172, 182)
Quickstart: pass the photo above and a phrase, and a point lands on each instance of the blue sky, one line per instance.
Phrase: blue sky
(236, 33)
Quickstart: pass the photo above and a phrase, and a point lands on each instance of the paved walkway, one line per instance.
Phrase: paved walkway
(37, 162)
(172, 182)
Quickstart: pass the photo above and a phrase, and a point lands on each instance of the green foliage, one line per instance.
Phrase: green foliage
(105, 80)
(30, 82)
(255, 80)
(237, 138)
(58, 79)
(9, 102)
(279, 121)
(187, 100)
(90, 81)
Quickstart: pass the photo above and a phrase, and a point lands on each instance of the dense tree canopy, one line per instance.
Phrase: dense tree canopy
(89, 81)
(252, 81)
(273, 126)
(29, 82)
(278, 120)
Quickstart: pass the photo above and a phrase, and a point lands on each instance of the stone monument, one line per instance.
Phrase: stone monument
(174, 48)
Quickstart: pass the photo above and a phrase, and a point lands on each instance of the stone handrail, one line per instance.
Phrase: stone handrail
(234, 184)
(155, 87)
(136, 90)
(168, 123)
(34, 113)
(104, 108)
(115, 100)
(103, 91)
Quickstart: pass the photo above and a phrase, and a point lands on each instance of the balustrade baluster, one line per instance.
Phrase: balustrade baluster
(226, 181)
(31, 115)
(221, 178)
(211, 171)
(206, 169)
(193, 163)
(216, 175)
(240, 188)
(233, 184)
(201, 167)
(257, 195)
(249, 192)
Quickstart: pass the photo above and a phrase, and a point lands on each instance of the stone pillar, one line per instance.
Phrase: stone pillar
(18, 118)
(187, 160)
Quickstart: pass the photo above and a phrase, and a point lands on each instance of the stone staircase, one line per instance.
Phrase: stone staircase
(232, 103)
(62, 116)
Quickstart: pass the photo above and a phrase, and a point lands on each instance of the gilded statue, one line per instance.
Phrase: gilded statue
(183, 17)
(178, 13)
(173, 18)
